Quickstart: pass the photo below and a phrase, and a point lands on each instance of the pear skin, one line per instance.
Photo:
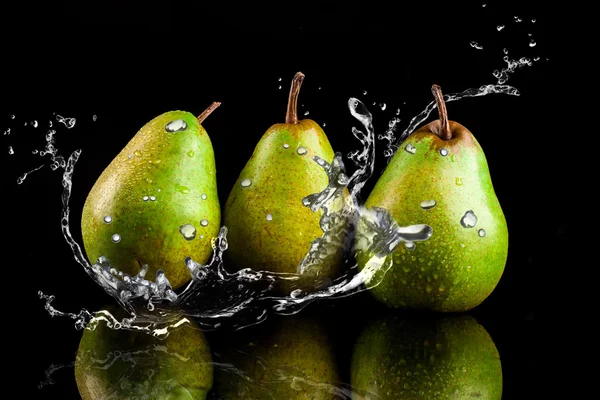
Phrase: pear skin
(269, 226)
(436, 181)
(161, 184)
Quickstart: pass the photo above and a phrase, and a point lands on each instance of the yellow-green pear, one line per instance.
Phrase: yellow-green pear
(440, 177)
(269, 226)
(156, 203)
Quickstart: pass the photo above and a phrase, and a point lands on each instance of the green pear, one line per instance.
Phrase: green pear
(269, 226)
(127, 365)
(288, 357)
(428, 358)
(156, 203)
(440, 177)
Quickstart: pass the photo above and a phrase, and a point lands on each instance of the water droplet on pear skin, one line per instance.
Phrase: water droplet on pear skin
(428, 204)
(152, 198)
(107, 219)
(468, 220)
(481, 232)
(116, 238)
(203, 196)
(145, 198)
(301, 150)
(286, 146)
(444, 152)
(269, 217)
(177, 125)
(409, 148)
(204, 222)
(188, 231)
(246, 183)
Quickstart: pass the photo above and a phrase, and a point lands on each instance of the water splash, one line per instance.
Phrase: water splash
(21, 178)
(68, 122)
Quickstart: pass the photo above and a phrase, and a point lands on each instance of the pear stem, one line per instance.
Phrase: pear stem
(208, 111)
(445, 133)
(291, 117)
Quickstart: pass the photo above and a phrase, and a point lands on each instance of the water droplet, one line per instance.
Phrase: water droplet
(190, 153)
(246, 183)
(107, 219)
(176, 126)
(301, 150)
(188, 231)
(481, 232)
(536, 59)
(305, 112)
(203, 196)
(286, 146)
(483, 5)
(324, 124)
(116, 238)
(410, 246)
(306, 201)
(500, 27)
(12, 116)
(34, 151)
(279, 79)
(94, 117)
(532, 43)
(444, 151)
(505, 50)
(458, 182)
(269, 217)
(364, 92)
(319, 87)
(7, 131)
(152, 198)
(182, 189)
(137, 153)
(145, 198)
(204, 222)
(428, 204)
(517, 19)
(68, 122)
(410, 149)
(34, 123)
(468, 220)
(383, 106)
(10, 150)
(279, 87)
(476, 45)
(533, 21)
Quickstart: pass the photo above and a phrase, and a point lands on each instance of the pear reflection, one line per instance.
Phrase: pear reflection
(285, 357)
(121, 364)
(428, 358)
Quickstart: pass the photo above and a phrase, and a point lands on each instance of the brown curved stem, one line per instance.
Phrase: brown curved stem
(208, 111)
(291, 116)
(445, 133)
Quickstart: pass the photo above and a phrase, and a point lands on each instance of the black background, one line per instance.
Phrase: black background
(129, 63)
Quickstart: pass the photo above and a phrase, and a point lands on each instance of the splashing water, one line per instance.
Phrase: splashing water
(214, 295)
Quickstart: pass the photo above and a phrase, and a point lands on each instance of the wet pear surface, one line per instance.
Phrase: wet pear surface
(457, 268)
(150, 190)
(273, 183)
